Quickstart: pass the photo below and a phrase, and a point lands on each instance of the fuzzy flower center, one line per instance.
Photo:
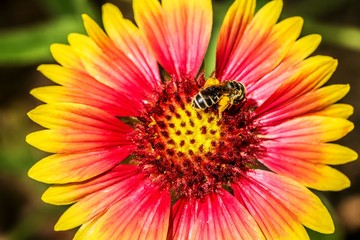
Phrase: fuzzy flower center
(194, 151)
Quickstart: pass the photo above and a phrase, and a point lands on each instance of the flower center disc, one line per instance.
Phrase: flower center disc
(194, 151)
(189, 132)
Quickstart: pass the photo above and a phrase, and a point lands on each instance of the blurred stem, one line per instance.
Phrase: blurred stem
(220, 10)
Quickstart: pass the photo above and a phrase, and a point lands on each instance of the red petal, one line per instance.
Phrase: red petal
(115, 106)
(118, 76)
(145, 79)
(288, 67)
(313, 175)
(184, 213)
(141, 213)
(305, 205)
(273, 217)
(311, 74)
(178, 32)
(256, 47)
(77, 117)
(232, 31)
(222, 217)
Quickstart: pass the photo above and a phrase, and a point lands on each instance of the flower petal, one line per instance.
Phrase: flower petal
(178, 32)
(147, 219)
(93, 92)
(222, 217)
(322, 177)
(129, 65)
(302, 48)
(71, 141)
(56, 94)
(128, 39)
(339, 110)
(77, 167)
(274, 219)
(184, 213)
(117, 74)
(306, 104)
(76, 116)
(287, 68)
(310, 129)
(66, 56)
(232, 31)
(70, 193)
(97, 203)
(311, 74)
(247, 45)
(73, 78)
(72, 124)
(325, 153)
(271, 52)
(273, 198)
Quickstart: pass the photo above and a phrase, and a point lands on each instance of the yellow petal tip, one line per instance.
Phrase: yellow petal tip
(37, 173)
(60, 226)
(29, 137)
(40, 67)
(109, 6)
(86, 17)
(354, 155)
(50, 196)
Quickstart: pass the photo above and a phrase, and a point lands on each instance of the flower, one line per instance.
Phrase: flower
(144, 146)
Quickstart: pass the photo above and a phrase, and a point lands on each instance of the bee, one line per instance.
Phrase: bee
(224, 94)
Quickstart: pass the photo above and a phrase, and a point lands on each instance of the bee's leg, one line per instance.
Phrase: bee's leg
(153, 122)
(211, 81)
(223, 104)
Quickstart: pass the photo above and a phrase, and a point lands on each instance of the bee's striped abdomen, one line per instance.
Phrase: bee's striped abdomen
(207, 97)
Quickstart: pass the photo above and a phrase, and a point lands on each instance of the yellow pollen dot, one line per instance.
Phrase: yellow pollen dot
(193, 130)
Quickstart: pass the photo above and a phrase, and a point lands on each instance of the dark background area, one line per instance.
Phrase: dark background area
(27, 28)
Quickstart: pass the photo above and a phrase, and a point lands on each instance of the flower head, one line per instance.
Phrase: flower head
(144, 146)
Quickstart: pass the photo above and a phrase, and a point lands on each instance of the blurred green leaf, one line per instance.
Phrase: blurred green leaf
(15, 160)
(59, 7)
(31, 45)
(74, 7)
(311, 8)
(318, 236)
(261, 3)
(85, 6)
(339, 35)
(343, 36)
